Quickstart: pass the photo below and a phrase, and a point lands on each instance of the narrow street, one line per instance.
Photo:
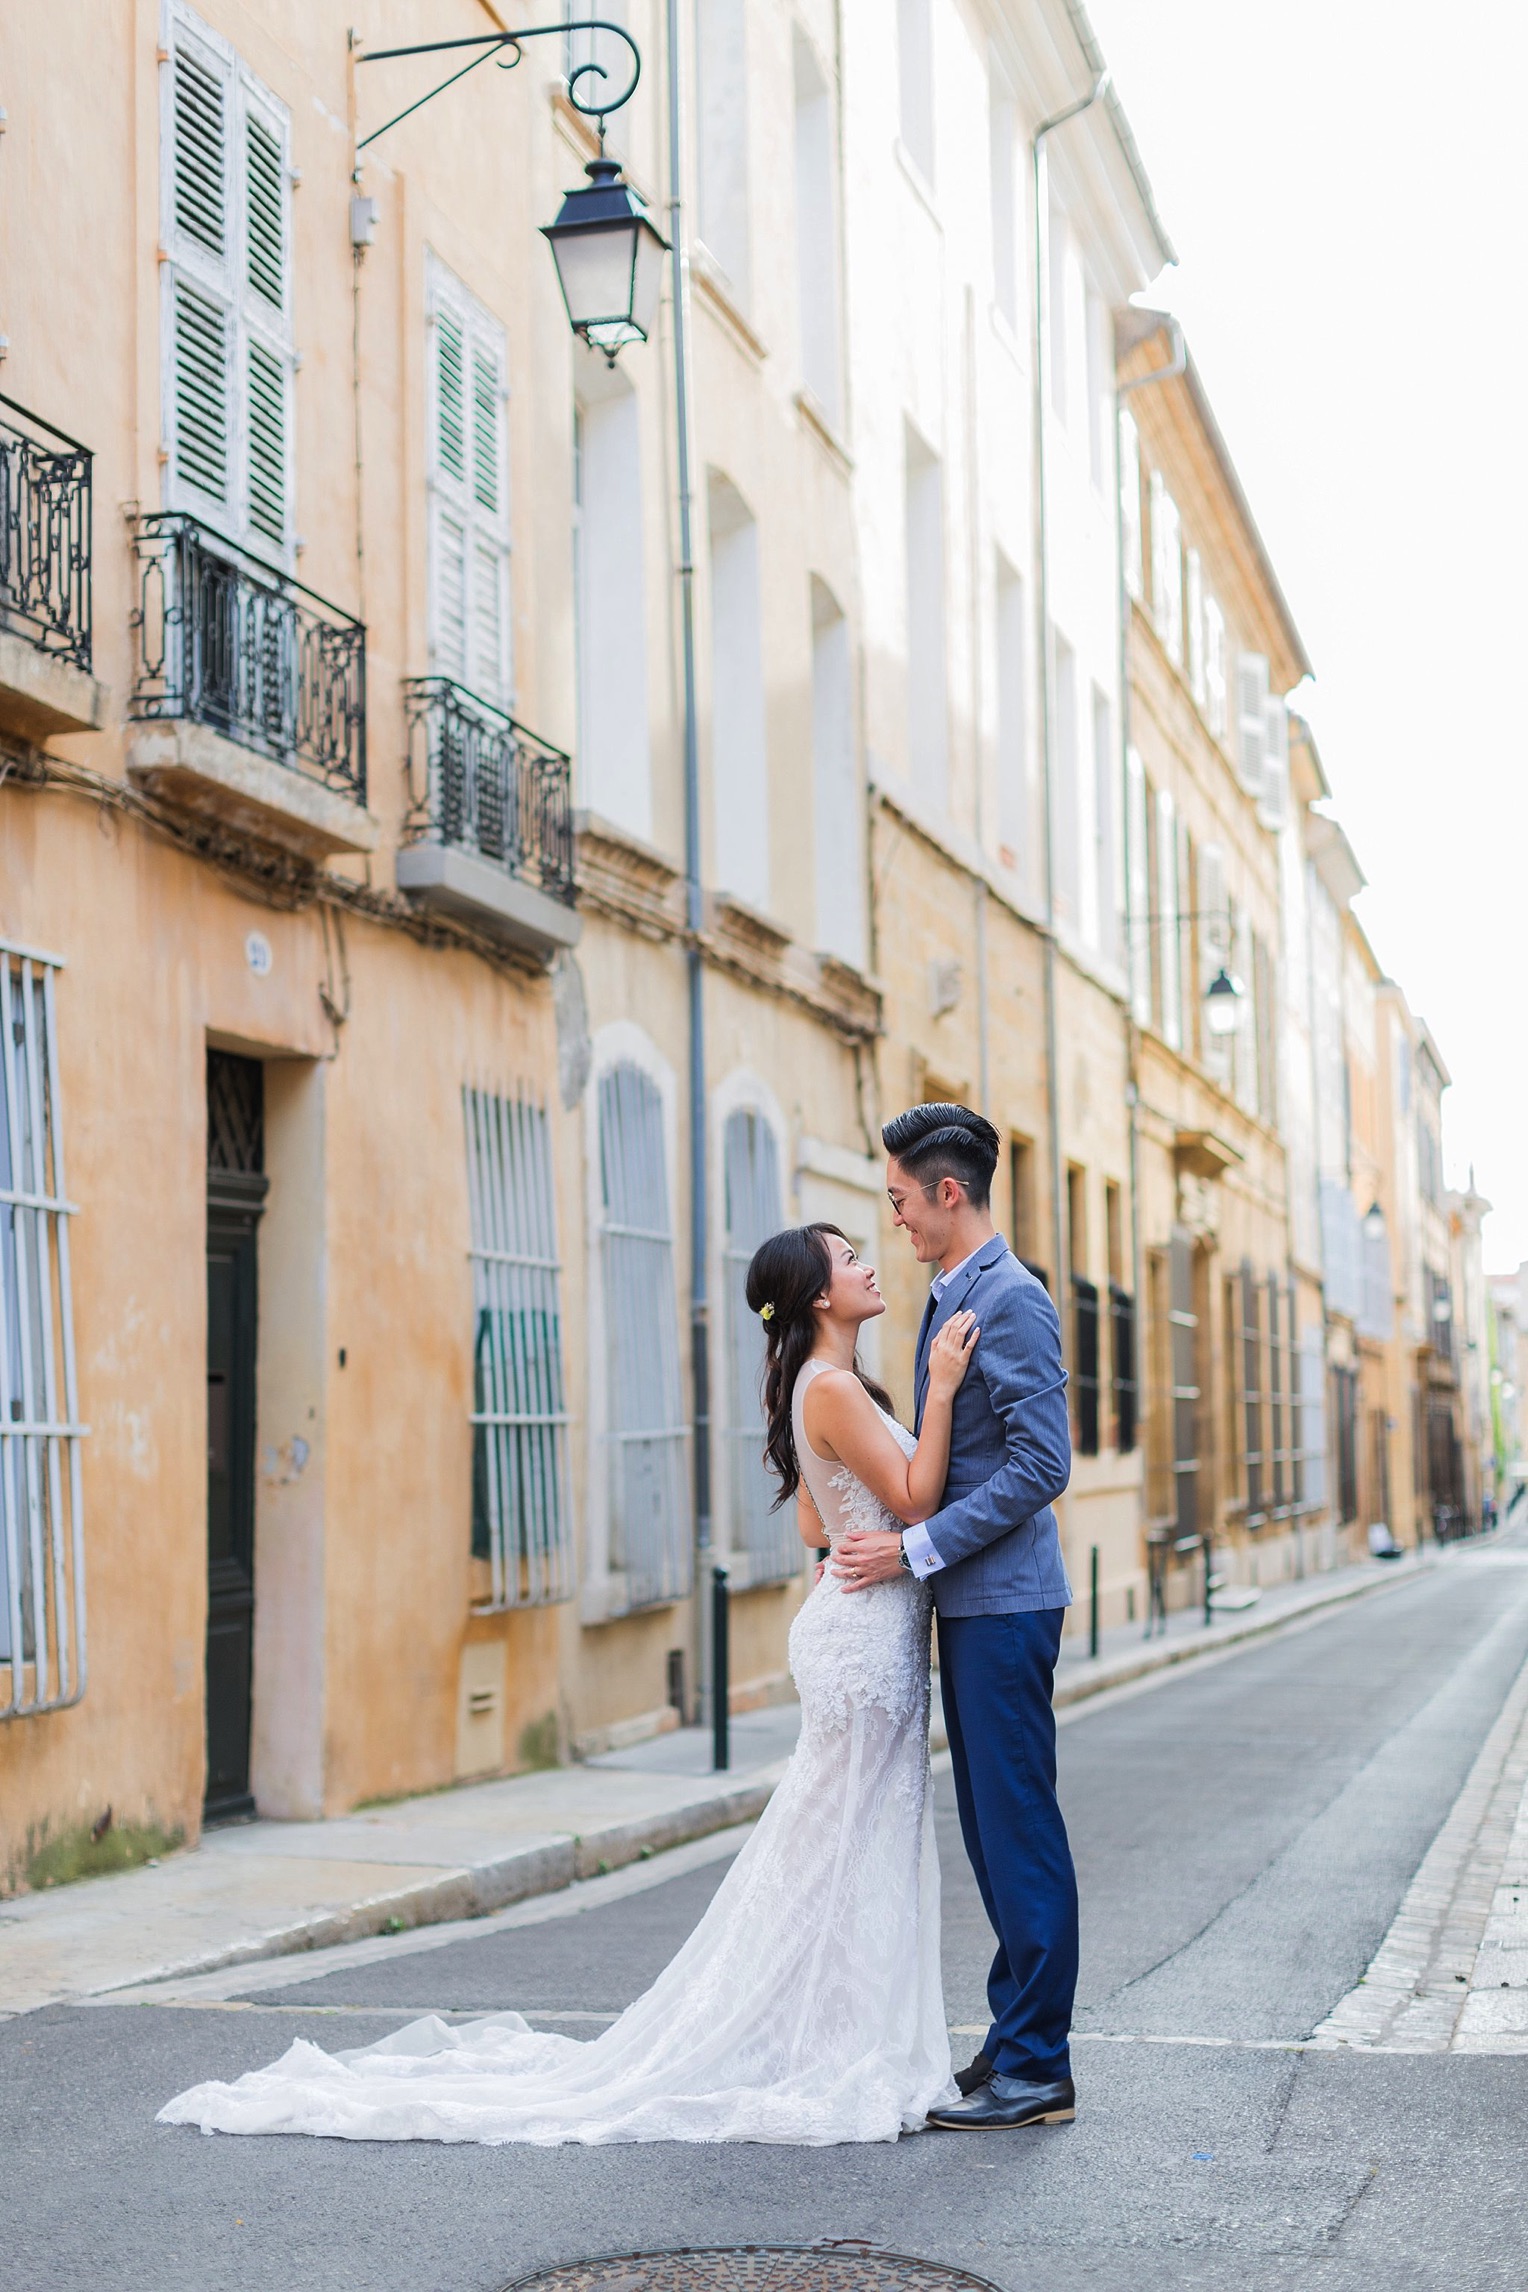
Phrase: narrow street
(1247, 1830)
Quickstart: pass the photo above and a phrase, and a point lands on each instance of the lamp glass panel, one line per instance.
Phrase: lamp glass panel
(595, 269)
(647, 280)
(1223, 1009)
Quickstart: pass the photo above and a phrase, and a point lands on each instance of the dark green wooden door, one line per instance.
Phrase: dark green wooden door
(234, 1200)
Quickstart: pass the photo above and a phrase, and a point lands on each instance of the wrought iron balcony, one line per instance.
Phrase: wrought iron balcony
(229, 642)
(45, 537)
(45, 493)
(490, 829)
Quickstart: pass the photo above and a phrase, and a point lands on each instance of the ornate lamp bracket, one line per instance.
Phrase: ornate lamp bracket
(505, 49)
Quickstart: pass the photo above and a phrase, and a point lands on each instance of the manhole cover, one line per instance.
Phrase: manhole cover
(845, 2267)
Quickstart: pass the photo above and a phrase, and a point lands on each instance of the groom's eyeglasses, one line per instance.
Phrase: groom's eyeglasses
(932, 1187)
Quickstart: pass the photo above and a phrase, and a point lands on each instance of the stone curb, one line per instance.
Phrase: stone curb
(551, 1865)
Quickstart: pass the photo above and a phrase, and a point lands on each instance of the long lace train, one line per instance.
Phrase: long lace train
(805, 2007)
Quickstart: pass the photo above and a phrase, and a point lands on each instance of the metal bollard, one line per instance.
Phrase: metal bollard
(1093, 1601)
(720, 1689)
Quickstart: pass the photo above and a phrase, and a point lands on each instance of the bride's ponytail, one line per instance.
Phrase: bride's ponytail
(787, 1275)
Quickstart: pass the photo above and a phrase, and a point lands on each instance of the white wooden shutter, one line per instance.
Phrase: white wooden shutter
(489, 655)
(201, 89)
(1193, 571)
(197, 120)
(1214, 945)
(1215, 668)
(227, 319)
(1166, 568)
(469, 490)
(1251, 719)
(265, 300)
(1167, 921)
(1138, 886)
(201, 415)
(1130, 503)
(1273, 806)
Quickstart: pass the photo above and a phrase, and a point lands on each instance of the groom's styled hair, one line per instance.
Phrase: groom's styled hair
(944, 1141)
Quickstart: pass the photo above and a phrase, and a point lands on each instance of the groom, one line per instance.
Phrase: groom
(992, 1558)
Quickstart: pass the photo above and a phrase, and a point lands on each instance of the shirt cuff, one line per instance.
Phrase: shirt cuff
(918, 1545)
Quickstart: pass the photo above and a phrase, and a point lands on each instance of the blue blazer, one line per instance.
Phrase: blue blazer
(1010, 1449)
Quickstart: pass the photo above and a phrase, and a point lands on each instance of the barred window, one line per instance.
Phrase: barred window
(650, 1539)
(1345, 1412)
(1254, 1451)
(1183, 1317)
(1085, 1376)
(520, 1515)
(1122, 1323)
(1278, 1438)
(766, 1540)
(42, 1547)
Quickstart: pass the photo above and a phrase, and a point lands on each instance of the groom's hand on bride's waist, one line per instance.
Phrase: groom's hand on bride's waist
(866, 1557)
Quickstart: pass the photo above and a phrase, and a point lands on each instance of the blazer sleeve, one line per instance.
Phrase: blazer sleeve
(1019, 1359)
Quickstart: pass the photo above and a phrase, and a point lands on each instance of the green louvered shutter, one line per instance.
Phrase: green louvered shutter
(469, 524)
(228, 332)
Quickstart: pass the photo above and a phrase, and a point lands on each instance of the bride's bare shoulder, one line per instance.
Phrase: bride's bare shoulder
(836, 1397)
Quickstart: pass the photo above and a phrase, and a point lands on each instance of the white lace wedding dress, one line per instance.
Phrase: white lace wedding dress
(805, 2007)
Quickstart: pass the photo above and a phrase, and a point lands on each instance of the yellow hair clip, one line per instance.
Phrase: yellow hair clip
(766, 1313)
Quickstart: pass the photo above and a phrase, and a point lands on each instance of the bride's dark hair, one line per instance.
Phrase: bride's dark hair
(788, 1274)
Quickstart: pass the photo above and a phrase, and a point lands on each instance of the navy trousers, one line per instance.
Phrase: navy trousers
(996, 1673)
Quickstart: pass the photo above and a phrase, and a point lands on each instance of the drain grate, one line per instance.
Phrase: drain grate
(839, 2267)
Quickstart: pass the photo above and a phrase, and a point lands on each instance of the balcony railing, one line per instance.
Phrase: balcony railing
(45, 537)
(232, 643)
(484, 783)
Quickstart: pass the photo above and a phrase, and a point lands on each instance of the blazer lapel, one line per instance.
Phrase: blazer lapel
(920, 1358)
(935, 1315)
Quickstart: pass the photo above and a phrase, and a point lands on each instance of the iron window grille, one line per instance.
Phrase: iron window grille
(232, 643)
(767, 1536)
(42, 1540)
(45, 496)
(1255, 1451)
(481, 781)
(1278, 1447)
(1183, 1350)
(1345, 1413)
(520, 1513)
(650, 1531)
(1085, 1381)
(1126, 1386)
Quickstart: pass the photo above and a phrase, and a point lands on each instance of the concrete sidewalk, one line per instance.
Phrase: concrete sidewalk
(263, 1889)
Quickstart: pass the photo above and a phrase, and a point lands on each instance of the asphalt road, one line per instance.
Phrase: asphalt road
(1244, 1831)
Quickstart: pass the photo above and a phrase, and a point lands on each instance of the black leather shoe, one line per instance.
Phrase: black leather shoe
(974, 2075)
(1005, 2102)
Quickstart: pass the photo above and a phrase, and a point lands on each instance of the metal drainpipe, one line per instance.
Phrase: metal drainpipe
(1176, 365)
(700, 1311)
(1046, 128)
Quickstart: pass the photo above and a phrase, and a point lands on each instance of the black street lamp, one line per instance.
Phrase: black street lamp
(1225, 999)
(609, 256)
(607, 248)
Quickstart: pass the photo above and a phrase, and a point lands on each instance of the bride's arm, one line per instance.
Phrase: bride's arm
(843, 1422)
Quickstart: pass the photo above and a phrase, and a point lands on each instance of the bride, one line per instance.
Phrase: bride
(806, 2006)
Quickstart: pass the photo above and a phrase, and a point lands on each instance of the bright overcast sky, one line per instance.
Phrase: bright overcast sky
(1346, 182)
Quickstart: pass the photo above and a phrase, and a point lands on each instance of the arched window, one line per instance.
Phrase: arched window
(767, 1539)
(650, 1540)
